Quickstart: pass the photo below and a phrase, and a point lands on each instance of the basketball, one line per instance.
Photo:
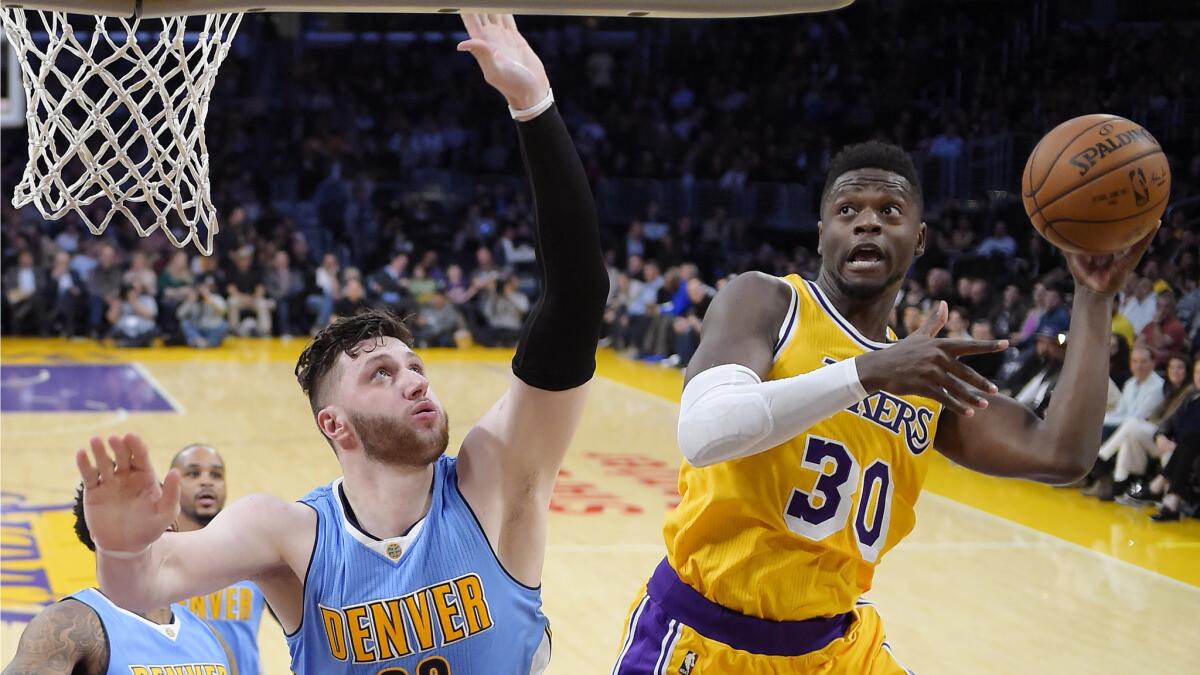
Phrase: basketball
(1096, 184)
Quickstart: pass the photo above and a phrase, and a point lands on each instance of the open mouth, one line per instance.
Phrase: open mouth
(865, 257)
(206, 499)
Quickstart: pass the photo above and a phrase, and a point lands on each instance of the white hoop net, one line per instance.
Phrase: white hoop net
(116, 119)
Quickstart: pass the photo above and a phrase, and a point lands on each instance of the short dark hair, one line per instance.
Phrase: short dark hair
(343, 337)
(873, 155)
(81, 528)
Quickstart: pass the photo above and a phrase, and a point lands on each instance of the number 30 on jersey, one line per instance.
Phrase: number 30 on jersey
(816, 515)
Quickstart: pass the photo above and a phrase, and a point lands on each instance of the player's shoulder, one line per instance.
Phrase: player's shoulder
(70, 610)
(754, 280)
(752, 301)
(68, 633)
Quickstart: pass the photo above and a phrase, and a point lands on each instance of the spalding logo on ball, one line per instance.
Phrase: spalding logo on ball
(1096, 184)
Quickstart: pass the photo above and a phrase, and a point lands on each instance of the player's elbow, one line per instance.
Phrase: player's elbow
(706, 438)
(700, 455)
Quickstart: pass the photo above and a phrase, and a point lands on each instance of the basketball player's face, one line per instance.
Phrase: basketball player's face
(870, 230)
(395, 414)
(202, 484)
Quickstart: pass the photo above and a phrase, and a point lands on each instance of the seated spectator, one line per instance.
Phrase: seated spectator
(103, 285)
(1006, 319)
(24, 287)
(420, 286)
(1179, 440)
(958, 324)
(353, 300)
(175, 284)
(285, 288)
(1050, 349)
(1122, 327)
(614, 312)
(504, 310)
(438, 323)
(643, 305)
(246, 292)
(1023, 332)
(1188, 313)
(686, 328)
(1182, 473)
(670, 302)
(64, 296)
(939, 285)
(325, 291)
(987, 365)
(1118, 359)
(133, 316)
(202, 315)
(1164, 335)
(1132, 443)
(1139, 305)
(389, 284)
(999, 243)
(1141, 396)
(141, 272)
(911, 318)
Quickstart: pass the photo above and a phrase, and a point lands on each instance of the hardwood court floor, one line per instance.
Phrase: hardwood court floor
(998, 577)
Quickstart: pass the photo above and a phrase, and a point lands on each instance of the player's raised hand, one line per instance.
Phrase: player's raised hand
(127, 509)
(924, 365)
(508, 62)
(1106, 274)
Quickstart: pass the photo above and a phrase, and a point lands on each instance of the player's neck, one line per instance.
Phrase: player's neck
(161, 616)
(387, 500)
(869, 316)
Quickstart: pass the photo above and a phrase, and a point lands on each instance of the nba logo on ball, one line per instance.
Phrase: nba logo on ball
(1096, 184)
(393, 551)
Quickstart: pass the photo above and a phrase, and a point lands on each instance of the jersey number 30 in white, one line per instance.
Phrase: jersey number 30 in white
(816, 515)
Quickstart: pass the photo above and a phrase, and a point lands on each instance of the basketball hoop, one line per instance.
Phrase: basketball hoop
(116, 120)
(116, 97)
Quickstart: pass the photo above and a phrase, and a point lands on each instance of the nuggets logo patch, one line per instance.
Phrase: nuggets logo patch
(394, 551)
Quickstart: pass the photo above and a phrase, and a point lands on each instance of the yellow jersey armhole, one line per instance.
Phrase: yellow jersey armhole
(787, 329)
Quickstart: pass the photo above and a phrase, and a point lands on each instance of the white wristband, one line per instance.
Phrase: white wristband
(123, 555)
(532, 112)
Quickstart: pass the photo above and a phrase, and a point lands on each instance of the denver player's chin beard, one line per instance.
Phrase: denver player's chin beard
(387, 440)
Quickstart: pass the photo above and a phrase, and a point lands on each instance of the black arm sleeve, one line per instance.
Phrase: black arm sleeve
(557, 349)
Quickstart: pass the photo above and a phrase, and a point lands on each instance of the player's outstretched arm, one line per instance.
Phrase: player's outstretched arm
(1008, 439)
(65, 638)
(510, 459)
(140, 566)
(728, 411)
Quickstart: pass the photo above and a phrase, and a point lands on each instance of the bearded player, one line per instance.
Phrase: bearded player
(412, 561)
(807, 431)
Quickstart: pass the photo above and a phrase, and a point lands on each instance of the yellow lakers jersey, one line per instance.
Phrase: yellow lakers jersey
(795, 532)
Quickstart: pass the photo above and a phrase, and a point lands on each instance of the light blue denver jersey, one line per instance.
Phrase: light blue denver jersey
(138, 646)
(433, 602)
(235, 612)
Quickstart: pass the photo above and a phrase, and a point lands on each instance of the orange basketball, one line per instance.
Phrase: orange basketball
(1096, 184)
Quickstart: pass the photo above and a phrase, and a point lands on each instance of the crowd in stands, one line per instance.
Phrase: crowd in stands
(674, 103)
